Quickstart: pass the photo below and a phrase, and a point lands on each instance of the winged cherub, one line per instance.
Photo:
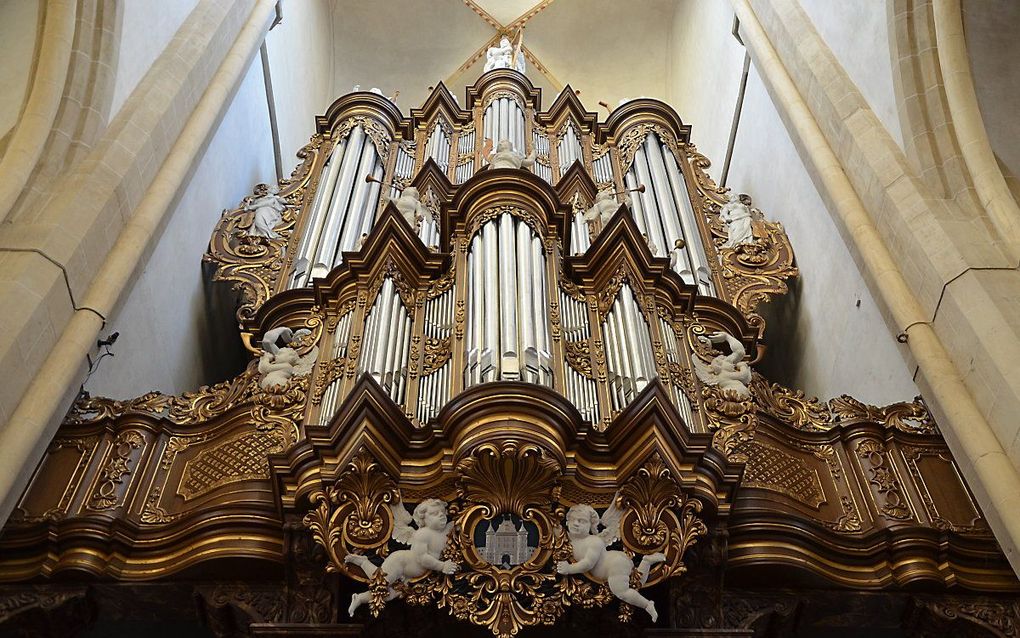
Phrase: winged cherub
(591, 556)
(426, 546)
(604, 207)
(410, 207)
(728, 371)
(278, 365)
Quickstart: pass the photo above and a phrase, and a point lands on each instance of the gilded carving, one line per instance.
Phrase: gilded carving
(104, 494)
(579, 357)
(770, 468)
(911, 417)
(354, 512)
(883, 477)
(437, 353)
(848, 521)
(791, 407)
(526, 216)
(241, 457)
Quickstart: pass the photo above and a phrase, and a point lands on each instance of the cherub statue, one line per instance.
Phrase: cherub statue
(604, 207)
(613, 566)
(506, 157)
(504, 56)
(410, 207)
(727, 371)
(268, 213)
(736, 214)
(278, 365)
(426, 546)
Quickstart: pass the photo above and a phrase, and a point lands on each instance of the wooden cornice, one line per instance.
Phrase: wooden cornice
(639, 111)
(531, 93)
(567, 104)
(364, 103)
(440, 101)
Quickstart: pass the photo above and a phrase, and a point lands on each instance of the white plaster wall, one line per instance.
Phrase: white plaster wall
(20, 25)
(857, 32)
(146, 28)
(826, 343)
(167, 340)
(704, 65)
(301, 66)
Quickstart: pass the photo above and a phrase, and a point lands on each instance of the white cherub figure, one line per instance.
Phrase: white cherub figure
(426, 546)
(278, 365)
(603, 208)
(410, 207)
(506, 157)
(728, 371)
(591, 555)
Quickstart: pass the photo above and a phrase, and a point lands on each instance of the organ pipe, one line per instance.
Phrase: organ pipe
(507, 332)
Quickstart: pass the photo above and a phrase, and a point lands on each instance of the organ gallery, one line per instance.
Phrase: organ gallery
(502, 381)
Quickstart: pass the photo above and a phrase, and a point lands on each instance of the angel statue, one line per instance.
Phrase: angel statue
(410, 207)
(737, 217)
(613, 566)
(604, 207)
(504, 56)
(268, 213)
(728, 371)
(506, 157)
(278, 365)
(426, 546)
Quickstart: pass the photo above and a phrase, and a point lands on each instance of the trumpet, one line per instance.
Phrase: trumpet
(373, 179)
(639, 189)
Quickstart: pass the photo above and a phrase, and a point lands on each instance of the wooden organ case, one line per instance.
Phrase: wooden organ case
(434, 334)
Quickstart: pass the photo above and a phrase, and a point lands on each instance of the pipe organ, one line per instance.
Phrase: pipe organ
(510, 350)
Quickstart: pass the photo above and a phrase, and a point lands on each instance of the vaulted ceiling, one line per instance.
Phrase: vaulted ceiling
(607, 49)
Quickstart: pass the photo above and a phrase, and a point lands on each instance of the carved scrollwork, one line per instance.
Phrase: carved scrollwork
(651, 523)
(437, 353)
(790, 406)
(731, 417)
(104, 495)
(526, 216)
(911, 417)
(578, 354)
(848, 521)
(353, 513)
(635, 136)
(883, 478)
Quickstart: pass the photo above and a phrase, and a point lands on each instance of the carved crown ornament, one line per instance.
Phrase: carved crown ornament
(498, 396)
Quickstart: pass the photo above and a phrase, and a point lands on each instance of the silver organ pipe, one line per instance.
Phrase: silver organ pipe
(664, 211)
(602, 170)
(504, 119)
(404, 166)
(580, 390)
(434, 390)
(343, 208)
(466, 150)
(317, 214)
(672, 352)
(579, 239)
(341, 337)
(387, 335)
(438, 147)
(429, 231)
(507, 332)
(569, 148)
(629, 349)
(540, 142)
